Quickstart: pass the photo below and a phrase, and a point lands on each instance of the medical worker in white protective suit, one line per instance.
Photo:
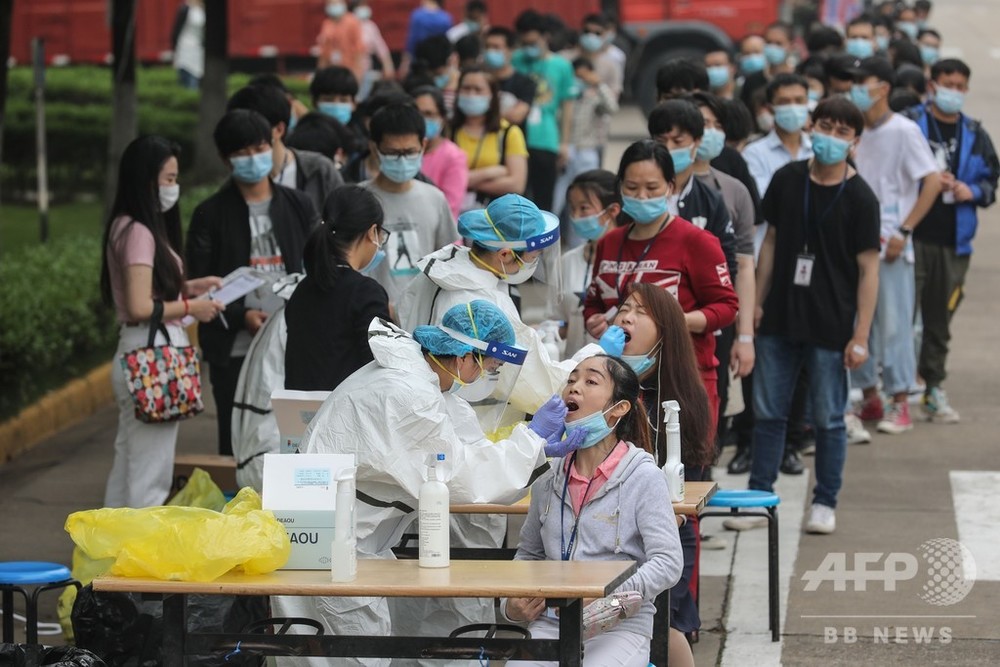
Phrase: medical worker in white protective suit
(395, 413)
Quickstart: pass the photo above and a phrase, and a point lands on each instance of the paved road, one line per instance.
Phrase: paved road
(898, 494)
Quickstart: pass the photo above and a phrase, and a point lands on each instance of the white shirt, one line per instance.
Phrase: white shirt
(894, 158)
(190, 52)
(576, 273)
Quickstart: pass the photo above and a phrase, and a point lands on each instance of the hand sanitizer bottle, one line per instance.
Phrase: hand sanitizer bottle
(344, 552)
(673, 468)
(434, 522)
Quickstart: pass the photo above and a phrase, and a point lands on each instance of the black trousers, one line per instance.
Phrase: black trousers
(542, 175)
(723, 346)
(223, 379)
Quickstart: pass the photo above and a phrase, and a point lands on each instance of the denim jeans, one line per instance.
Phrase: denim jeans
(890, 344)
(778, 363)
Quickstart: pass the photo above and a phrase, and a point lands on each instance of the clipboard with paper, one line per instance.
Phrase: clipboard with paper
(235, 286)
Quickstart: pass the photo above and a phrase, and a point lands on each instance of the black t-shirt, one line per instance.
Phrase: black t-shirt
(823, 313)
(939, 226)
(521, 87)
(328, 330)
(732, 163)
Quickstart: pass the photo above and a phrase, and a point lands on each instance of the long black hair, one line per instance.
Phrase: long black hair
(633, 427)
(138, 198)
(348, 214)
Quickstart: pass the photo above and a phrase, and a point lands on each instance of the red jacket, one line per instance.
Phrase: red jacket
(686, 261)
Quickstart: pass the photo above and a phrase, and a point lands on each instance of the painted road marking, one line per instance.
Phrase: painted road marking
(976, 496)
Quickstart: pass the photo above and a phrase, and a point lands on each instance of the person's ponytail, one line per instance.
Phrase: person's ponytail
(348, 214)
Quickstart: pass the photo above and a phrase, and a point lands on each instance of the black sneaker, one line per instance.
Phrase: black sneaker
(740, 464)
(791, 463)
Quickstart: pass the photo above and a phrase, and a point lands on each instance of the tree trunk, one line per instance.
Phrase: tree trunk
(6, 19)
(212, 105)
(124, 115)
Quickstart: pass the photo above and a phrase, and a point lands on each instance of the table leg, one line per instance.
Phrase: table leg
(659, 646)
(174, 630)
(571, 634)
(8, 615)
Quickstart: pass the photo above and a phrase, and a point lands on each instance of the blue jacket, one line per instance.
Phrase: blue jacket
(978, 168)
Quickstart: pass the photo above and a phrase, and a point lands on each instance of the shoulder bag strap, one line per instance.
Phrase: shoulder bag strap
(156, 324)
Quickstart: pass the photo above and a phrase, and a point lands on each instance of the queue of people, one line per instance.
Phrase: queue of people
(784, 231)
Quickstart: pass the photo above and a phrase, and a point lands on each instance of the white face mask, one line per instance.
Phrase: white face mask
(524, 275)
(169, 194)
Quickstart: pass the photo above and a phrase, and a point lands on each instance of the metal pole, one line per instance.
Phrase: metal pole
(38, 55)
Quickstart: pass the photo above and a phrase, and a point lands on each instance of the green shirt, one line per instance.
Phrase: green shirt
(555, 83)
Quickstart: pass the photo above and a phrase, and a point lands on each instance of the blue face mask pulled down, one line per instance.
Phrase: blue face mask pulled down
(682, 158)
(252, 168)
(644, 211)
(718, 76)
(949, 101)
(712, 143)
(753, 63)
(339, 111)
(641, 363)
(474, 105)
(595, 426)
(589, 227)
(402, 169)
(828, 149)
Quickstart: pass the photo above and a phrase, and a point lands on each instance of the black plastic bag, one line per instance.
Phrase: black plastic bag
(28, 655)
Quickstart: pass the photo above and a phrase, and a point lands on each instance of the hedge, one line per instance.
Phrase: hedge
(53, 325)
(78, 122)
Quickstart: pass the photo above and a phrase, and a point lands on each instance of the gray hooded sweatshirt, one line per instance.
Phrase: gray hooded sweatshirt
(629, 518)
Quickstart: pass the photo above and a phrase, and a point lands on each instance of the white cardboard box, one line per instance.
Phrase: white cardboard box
(301, 492)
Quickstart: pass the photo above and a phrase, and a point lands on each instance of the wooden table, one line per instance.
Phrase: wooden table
(564, 584)
(696, 495)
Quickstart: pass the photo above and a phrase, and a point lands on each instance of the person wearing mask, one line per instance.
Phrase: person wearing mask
(674, 254)
(942, 243)
(340, 40)
(618, 502)
(416, 213)
(392, 414)
(475, 22)
(840, 74)
(307, 171)
(375, 48)
(517, 91)
(754, 72)
(187, 38)
(818, 279)
(883, 35)
(444, 162)
(334, 92)
(594, 45)
(594, 206)
(322, 134)
(251, 221)
(550, 123)
(659, 350)
(495, 149)
(906, 23)
(894, 159)
(778, 48)
(427, 20)
(813, 70)
(142, 272)
(861, 37)
(929, 41)
(273, 80)
(327, 316)
(721, 73)
(823, 41)
(922, 12)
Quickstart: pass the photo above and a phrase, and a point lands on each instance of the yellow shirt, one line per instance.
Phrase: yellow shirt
(485, 151)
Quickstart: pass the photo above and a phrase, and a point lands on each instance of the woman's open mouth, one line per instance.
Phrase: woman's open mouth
(572, 406)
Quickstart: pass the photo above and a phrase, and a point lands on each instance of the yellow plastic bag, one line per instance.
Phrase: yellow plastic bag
(200, 491)
(183, 543)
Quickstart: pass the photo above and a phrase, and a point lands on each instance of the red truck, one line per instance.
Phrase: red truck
(77, 31)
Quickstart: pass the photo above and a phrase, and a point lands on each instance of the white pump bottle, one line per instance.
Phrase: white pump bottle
(344, 552)
(435, 518)
(673, 468)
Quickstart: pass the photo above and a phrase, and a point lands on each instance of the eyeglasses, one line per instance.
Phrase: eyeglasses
(399, 155)
(383, 235)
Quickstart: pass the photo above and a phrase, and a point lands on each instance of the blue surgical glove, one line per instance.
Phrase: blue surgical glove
(574, 439)
(613, 341)
(550, 420)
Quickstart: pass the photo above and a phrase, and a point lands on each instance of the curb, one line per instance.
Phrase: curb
(56, 410)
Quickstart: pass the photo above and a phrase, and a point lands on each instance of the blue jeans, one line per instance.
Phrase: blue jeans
(890, 344)
(778, 363)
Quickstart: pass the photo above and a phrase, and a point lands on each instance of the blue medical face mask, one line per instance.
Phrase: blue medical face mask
(712, 143)
(948, 101)
(718, 76)
(339, 111)
(829, 149)
(400, 169)
(791, 117)
(644, 211)
(859, 47)
(908, 28)
(775, 54)
(861, 97)
(441, 80)
(474, 105)
(590, 42)
(252, 168)
(336, 11)
(377, 259)
(595, 426)
(432, 128)
(494, 58)
(641, 363)
(533, 52)
(882, 42)
(929, 54)
(589, 227)
(753, 63)
(363, 12)
(682, 158)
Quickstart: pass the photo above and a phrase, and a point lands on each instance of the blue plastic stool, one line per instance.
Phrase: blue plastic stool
(14, 576)
(741, 503)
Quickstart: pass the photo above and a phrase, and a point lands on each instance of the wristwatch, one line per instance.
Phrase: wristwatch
(905, 231)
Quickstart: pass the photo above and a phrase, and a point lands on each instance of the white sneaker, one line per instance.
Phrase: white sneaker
(937, 409)
(745, 523)
(822, 520)
(857, 434)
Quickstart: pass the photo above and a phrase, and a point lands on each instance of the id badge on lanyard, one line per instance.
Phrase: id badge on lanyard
(805, 261)
(804, 269)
